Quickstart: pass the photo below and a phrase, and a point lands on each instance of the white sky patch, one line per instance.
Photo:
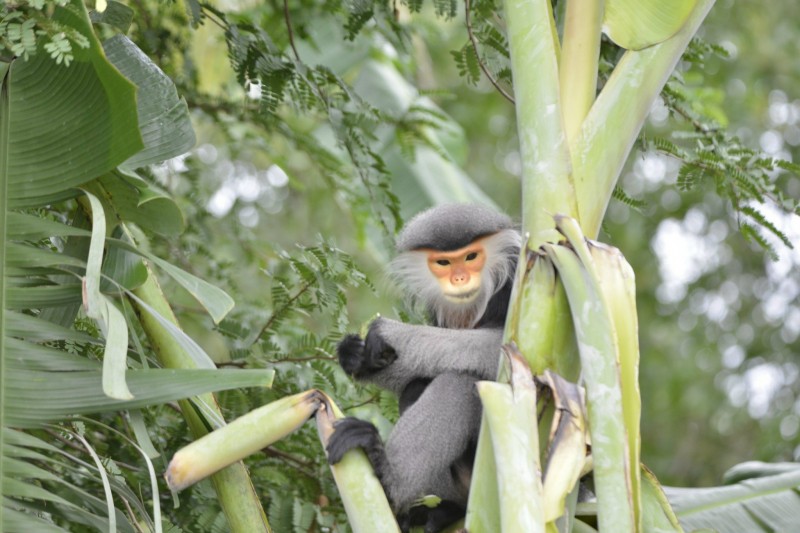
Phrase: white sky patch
(248, 188)
(222, 201)
(685, 252)
(762, 383)
(781, 303)
(788, 260)
(263, 190)
(659, 113)
(654, 168)
(771, 142)
(276, 176)
(248, 216)
(733, 356)
(207, 153)
(757, 387)
(164, 170)
(649, 172)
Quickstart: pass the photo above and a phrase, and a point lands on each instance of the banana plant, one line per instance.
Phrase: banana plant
(571, 163)
(78, 132)
(571, 344)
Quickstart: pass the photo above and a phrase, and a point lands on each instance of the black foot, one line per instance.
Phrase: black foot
(349, 433)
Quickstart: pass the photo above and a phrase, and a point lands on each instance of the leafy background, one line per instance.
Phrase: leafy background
(314, 143)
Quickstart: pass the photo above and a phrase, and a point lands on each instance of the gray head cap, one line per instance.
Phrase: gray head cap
(450, 227)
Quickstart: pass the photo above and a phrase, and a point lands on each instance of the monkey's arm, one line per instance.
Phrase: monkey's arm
(393, 353)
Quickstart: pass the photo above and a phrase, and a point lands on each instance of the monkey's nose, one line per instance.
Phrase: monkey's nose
(459, 278)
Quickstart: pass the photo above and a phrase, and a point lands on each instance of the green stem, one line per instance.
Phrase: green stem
(483, 507)
(4, 134)
(579, 59)
(547, 187)
(236, 493)
(617, 116)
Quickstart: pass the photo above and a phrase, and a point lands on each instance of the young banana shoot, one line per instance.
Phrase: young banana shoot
(363, 497)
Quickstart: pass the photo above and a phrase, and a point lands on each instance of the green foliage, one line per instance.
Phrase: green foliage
(467, 63)
(59, 343)
(25, 26)
(414, 129)
(360, 12)
(620, 195)
(486, 49)
(709, 154)
(283, 79)
(293, 330)
(291, 301)
(445, 8)
(312, 281)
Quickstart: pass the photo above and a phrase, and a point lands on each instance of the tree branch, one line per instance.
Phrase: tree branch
(289, 29)
(474, 42)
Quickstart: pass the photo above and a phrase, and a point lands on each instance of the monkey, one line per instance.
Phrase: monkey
(456, 262)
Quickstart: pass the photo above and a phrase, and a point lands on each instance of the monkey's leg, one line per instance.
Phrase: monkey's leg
(429, 439)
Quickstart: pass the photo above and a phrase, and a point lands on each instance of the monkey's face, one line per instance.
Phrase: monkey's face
(459, 271)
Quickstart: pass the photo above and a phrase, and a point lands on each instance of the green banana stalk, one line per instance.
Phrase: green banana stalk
(615, 279)
(599, 346)
(240, 438)
(510, 411)
(364, 499)
(483, 506)
(618, 286)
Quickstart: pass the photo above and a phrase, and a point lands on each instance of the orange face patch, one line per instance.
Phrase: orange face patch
(459, 271)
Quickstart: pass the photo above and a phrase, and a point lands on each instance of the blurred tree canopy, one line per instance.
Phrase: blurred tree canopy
(720, 318)
(322, 125)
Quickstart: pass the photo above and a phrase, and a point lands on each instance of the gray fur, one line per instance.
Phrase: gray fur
(410, 271)
(428, 351)
(420, 459)
(432, 435)
(428, 449)
(450, 227)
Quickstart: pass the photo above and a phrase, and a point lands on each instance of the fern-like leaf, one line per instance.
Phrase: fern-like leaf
(765, 223)
(751, 234)
(619, 194)
(359, 13)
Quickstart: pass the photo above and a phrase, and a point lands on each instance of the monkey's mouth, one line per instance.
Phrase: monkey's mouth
(464, 297)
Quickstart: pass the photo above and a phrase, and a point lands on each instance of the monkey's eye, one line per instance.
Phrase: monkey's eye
(472, 256)
(442, 262)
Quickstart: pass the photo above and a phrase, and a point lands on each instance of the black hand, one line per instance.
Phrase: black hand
(362, 357)
(351, 354)
(378, 353)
